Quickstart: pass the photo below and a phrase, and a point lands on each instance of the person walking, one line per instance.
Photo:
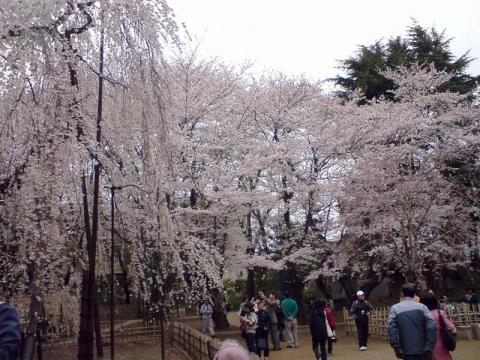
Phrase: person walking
(206, 312)
(10, 333)
(440, 351)
(411, 327)
(332, 321)
(320, 330)
(251, 323)
(361, 310)
(272, 307)
(290, 310)
(261, 335)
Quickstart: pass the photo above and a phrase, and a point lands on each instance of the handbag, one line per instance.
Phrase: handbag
(448, 337)
(333, 337)
(262, 343)
(329, 329)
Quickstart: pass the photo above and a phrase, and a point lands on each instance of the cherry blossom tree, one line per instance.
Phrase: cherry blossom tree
(321, 187)
(401, 213)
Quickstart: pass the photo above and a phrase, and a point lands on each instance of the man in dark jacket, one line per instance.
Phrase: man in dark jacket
(411, 327)
(361, 310)
(273, 306)
(318, 329)
(9, 332)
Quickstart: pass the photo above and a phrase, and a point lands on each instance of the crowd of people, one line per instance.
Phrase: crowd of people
(418, 328)
(264, 319)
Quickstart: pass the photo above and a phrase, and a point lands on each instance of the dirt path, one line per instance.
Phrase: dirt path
(346, 348)
(138, 350)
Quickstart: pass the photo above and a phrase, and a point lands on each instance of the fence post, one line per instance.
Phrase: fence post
(199, 348)
(209, 351)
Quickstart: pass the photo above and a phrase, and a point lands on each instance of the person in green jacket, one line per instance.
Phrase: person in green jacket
(290, 310)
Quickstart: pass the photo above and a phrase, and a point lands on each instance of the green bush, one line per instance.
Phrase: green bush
(235, 290)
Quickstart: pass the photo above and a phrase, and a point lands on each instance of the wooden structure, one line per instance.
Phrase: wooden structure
(377, 324)
(191, 342)
(462, 315)
(195, 344)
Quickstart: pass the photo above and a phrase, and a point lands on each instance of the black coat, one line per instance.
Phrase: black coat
(9, 333)
(263, 323)
(318, 326)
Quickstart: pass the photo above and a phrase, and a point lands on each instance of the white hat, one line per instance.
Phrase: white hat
(360, 293)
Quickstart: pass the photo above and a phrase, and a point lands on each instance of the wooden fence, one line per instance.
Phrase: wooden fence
(377, 324)
(124, 332)
(195, 344)
(462, 315)
(192, 342)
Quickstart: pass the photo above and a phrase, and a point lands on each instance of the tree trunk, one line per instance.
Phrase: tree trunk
(98, 332)
(162, 333)
(85, 336)
(395, 282)
(35, 313)
(39, 345)
(296, 292)
(126, 289)
(251, 287)
(371, 285)
(85, 340)
(411, 276)
(323, 288)
(219, 316)
(349, 288)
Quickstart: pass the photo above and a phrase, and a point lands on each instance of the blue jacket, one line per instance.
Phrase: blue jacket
(9, 333)
(411, 327)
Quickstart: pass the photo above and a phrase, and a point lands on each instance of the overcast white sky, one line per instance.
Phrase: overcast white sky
(308, 36)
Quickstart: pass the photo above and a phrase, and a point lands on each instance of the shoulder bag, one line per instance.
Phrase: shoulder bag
(448, 337)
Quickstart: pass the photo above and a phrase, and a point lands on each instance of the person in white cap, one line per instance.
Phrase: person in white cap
(361, 310)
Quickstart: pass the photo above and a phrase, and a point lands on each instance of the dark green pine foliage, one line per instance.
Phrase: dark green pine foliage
(421, 45)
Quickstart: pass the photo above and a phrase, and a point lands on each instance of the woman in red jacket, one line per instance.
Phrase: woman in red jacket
(440, 351)
(333, 324)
